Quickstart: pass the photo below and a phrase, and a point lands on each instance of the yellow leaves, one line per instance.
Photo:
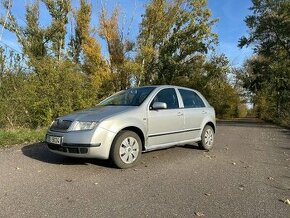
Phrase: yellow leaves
(120, 66)
(109, 30)
(92, 50)
(109, 25)
(148, 51)
(83, 18)
(93, 61)
(132, 67)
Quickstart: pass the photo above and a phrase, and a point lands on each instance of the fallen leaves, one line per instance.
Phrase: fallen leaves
(248, 166)
(287, 201)
(199, 214)
(242, 187)
(270, 178)
(68, 180)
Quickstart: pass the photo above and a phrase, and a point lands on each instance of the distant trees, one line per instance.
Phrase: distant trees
(59, 71)
(174, 44)
(267, 73)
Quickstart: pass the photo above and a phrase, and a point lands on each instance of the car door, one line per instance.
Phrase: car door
(194, 113)
(164, 125)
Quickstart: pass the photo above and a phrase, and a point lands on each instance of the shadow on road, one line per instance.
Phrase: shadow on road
(40, 152)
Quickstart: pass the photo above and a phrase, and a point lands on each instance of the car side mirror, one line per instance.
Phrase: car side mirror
(159, 105)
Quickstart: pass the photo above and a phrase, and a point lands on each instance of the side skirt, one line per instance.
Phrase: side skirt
(168, 145)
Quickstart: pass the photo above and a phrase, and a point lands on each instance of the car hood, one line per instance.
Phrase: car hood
(97, 113)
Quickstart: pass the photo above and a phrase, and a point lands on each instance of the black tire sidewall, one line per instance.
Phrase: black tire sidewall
(114, 153)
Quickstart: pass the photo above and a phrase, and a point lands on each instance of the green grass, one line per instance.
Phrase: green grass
(9, 137)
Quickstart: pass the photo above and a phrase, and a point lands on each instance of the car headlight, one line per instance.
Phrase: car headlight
(83, 125)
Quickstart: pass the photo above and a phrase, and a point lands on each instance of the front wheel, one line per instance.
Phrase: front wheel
(126, 149)
(207, 138)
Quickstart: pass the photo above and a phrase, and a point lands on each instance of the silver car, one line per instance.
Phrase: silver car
(133, 121)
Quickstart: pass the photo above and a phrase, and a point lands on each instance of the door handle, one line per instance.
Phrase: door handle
(204, 112)
(179, 114)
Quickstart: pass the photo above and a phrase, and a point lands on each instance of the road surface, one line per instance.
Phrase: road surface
(246, 175)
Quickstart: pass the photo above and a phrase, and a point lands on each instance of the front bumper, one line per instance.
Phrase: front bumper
(85, 144)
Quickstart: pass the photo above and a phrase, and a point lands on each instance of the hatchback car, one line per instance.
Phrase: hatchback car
(134, 121)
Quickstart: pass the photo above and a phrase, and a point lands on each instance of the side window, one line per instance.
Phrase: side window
(190, 99)
(167, 96)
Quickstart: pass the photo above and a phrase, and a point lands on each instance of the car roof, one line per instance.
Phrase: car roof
(167, 86)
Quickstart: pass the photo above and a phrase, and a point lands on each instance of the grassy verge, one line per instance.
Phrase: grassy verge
(9, 137)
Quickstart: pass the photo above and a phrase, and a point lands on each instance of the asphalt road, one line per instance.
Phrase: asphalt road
(246, 175)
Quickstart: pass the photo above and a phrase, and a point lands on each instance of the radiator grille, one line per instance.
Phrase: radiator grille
(60, 125)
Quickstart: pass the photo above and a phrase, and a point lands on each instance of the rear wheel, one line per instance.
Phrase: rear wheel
(207, 138)
(126, 149)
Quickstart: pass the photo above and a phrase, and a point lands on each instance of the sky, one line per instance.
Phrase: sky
(231, 25)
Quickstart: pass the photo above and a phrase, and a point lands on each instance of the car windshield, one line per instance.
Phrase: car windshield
(130, 97)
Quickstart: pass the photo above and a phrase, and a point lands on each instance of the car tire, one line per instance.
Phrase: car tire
(207, 138)
(126, 149)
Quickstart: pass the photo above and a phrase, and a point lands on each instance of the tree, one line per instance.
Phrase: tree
(32, 38)
(173, 36)
(118, 47)
(87, 52)
(56, 85)
(269, 27)
(157, 21)
(58, 10)
(176, 46)
(267, 73)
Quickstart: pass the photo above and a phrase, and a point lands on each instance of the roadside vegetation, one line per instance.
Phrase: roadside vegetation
(266, 75)
(10, 137)
(59, 71)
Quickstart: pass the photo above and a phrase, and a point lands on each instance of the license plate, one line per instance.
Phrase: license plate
(54, 139)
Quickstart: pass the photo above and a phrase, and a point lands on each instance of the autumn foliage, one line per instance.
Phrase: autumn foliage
(59, 71)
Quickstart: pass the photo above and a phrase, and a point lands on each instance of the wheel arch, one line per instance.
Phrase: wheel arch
(211, 124)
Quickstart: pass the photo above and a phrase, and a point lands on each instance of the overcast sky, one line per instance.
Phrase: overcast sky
(230, 28)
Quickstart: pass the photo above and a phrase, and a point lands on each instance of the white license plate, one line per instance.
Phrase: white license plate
(53, 139)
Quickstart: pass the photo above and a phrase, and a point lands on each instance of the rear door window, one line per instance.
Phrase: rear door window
(191, 99)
